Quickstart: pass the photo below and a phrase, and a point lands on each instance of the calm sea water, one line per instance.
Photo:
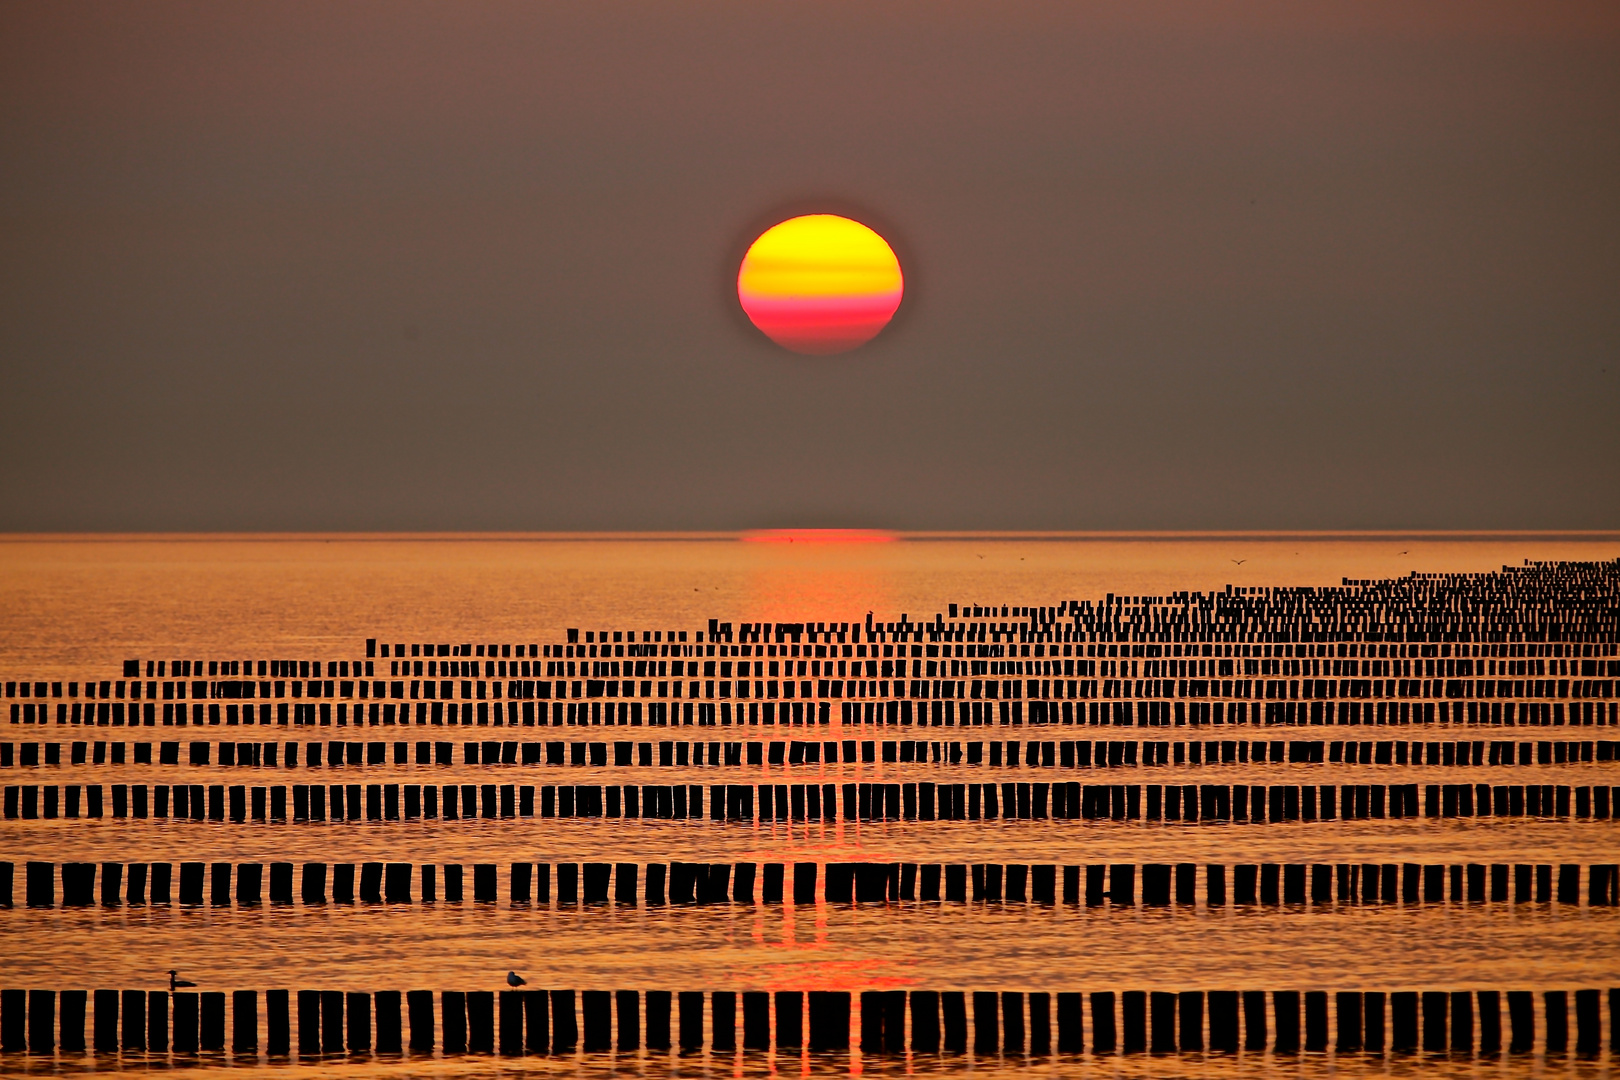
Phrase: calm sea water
(72, 608)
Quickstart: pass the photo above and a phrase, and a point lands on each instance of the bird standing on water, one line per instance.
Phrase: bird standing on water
(514, 979)
(175, 982)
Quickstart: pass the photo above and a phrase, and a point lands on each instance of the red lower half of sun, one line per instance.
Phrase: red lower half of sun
(821, 325)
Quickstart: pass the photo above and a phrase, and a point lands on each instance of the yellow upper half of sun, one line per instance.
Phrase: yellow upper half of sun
(819, 255)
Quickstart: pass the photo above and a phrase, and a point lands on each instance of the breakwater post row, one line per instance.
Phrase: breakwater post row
(1010, 753)
(321, 1023)
(223, 884)
(933, 703)
(1252, 804)
(1542, 630)
(1361, 653)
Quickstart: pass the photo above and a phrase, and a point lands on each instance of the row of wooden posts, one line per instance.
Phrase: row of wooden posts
(1010, 753)
(312, 1023)
(1254, 804)
(221, 884)
(926, 710)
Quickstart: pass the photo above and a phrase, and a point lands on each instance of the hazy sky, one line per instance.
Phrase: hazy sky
(401, 265)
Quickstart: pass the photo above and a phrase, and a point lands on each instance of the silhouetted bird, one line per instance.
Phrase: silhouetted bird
(175, 982)
(1240, 562)
(514, 979)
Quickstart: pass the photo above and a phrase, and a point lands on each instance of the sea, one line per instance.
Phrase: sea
(75, 608)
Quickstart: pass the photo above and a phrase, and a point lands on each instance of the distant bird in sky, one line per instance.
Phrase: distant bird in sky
(514, 979)
(175, 982)
(1240, 562)
(1403, 553)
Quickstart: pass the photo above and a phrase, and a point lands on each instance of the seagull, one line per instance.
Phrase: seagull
(1240, 562)
(514, 979)
(175, 982)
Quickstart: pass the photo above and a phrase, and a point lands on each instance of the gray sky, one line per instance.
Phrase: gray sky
(470, 266)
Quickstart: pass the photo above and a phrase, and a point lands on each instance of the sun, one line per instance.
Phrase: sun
(820, 284)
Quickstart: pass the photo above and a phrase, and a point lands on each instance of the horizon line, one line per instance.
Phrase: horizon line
(821, 535)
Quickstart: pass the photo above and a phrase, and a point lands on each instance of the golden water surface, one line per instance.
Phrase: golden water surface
(73, 607)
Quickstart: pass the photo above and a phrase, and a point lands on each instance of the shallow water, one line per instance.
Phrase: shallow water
(75, 608)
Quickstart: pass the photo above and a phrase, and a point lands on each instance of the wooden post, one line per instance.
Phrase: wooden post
(1434, 1021)
(1588, 1023)
(742, 883)
(278, 1027)
(386, 1003)
(872, 1006)
(40, 890)
(105, 1023)
(245, 1023)
(925, 1029)
(313, 887)
(1133, 1006)
(564, 1022)
(1372, 1009)
(71, 1021)
(419, 1008)
(1155, 885)
(397, 884)
(41, 1022)
(804, 884)
(1556, 1004)
(723, 1021)
(332, 1027)
(596, 1013)
(596, 876)
(1013, 1040)
(1285, 1009)
(521, 887)
(1462, 1022)
(829, 1020)
(536, 1020)
(133, 1013)
(1348, 1040)
(357, 1020)
(1316, 1021)
(484, 883)
(481, 1022)
(1223, 1021)
(1162, 1027)
(624, 884)
(453, 1021)
(309, 1023)
(1190, 1014)
(756, 1010)
(1104, 1023)
(658, 1009)
(691, 1020)
(627, 1008)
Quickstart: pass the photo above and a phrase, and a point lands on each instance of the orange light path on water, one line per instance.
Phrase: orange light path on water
(799, 575)
(820, 284)
(818, 536)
